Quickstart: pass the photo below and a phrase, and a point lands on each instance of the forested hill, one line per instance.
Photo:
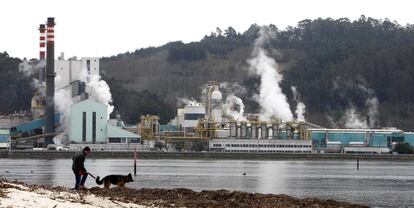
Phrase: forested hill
(334, 63)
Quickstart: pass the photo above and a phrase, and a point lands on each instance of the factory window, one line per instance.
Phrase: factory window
(135, 140)
(94, 127)
(84, 127)
(88, 65)
(227, 145)
(193, 116)
(114, 140)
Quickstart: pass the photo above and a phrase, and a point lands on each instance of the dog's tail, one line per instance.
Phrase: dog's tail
(98, 181)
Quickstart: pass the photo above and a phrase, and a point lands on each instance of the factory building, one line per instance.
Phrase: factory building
(4, 138)
(192, 114)
(261, 145)
(88, 119)
(409, 138)
(253, 135)
(71, 70)
(355, 140)
(15, 119)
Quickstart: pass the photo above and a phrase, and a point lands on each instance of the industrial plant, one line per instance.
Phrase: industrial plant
(207, 122)
(68, 112)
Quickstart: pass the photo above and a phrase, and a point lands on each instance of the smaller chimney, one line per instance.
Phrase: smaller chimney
(42, 52)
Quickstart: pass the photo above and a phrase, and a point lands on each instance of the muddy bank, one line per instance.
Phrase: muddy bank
(184, 197)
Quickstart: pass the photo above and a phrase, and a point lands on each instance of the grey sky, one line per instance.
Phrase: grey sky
(104, 28)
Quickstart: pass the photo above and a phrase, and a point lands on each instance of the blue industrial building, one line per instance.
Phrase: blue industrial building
(368, 137)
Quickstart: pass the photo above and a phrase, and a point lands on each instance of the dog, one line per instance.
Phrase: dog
(119, 180)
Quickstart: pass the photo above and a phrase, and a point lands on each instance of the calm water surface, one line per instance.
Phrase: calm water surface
(377, 183)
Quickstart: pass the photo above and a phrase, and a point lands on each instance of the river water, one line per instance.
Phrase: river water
(376, 183)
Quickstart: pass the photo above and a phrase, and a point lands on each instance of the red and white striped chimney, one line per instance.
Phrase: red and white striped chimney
(42, 52)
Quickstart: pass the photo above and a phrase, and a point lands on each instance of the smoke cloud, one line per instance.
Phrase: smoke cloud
(270, 98)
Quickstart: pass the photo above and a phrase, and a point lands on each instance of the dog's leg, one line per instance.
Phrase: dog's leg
(107, 184)
(121, 184)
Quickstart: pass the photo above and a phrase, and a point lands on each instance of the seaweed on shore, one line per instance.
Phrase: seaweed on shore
(182, 197)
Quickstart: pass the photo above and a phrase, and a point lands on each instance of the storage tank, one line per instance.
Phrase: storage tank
(243, 129)
(265, 131)
(275, 130)
(216, 105)
(254, 130)
(233, 129)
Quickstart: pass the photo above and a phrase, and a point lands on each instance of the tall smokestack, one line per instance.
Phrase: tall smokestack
(42, 52)
(50, 81)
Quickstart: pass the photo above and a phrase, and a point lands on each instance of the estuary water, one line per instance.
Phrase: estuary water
(376, 183)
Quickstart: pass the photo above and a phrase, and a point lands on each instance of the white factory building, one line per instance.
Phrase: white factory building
(261, 145)
(88, 119)
(71, 70)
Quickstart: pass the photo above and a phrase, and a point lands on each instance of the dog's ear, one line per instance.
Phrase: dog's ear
(129, 174)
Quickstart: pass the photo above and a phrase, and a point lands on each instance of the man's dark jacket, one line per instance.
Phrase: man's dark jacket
(78, 163)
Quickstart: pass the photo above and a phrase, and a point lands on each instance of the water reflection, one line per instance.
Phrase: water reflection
(377, 183)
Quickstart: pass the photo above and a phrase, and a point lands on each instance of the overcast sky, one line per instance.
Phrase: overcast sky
(104, 28)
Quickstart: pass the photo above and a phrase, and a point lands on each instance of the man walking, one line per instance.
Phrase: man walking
(78, 167)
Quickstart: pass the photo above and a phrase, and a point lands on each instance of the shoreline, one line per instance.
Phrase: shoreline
(52, 154)
(16, 194)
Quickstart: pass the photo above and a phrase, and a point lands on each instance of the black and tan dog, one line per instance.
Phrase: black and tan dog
(119, 180)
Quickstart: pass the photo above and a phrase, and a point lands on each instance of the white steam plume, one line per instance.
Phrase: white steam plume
(372, 104)
(300, 107)
(98, 89)
(354, 120)
(232, 88)
(271, 98)
(234, 107)
(188, 102)
(30, 69)
(331, 122)
(300, 111)
(63, 103)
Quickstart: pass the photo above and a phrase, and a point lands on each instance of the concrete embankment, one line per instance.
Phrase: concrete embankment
(30, 154)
